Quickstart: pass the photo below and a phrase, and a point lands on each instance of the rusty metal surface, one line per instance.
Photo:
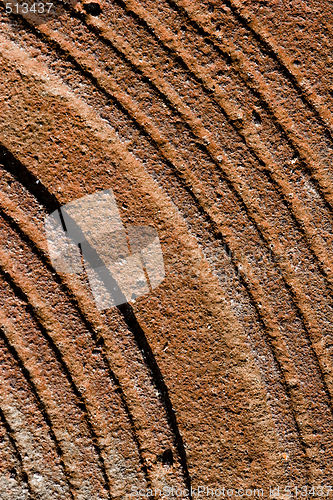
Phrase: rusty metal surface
(211, 122)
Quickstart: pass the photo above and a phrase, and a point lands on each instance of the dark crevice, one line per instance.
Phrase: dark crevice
(12, 165)
(11, 437)
(133, 325)
(28, 180)
(236, 126)
(39, 402)
(92, 8)
(142, 342)
(126, 308)
(268, 50)
(166, 458)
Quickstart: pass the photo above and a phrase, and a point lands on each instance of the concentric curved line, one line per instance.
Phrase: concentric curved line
(274, 50)
(95, 325)
(108, 85)
(4, 326)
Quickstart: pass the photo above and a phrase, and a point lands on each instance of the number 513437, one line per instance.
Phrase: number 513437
(24, 8)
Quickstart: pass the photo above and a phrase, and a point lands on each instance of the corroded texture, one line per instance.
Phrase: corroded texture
(211, 124)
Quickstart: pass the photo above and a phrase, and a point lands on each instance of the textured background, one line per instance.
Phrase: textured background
(211, 121)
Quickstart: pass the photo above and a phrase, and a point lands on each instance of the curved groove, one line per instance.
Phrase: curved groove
(206, 138)
(94, 326)
(291, 383)
(45, 320)
(112, 89)
(51, 201)
(248, 134)
(141, 340)
(36, 306)
(287, 369)
(34, 391)
(108, 84)
(11, 437)
(273, 50)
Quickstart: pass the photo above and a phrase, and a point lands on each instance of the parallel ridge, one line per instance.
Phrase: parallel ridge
(147, 434)
(290, 68)
(13, 478)
(235, 188)
(30, 437)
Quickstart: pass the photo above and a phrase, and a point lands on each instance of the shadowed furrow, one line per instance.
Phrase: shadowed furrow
(216, 217)
(13, 479)
(40, 461)
(201, 123)
(147, 428)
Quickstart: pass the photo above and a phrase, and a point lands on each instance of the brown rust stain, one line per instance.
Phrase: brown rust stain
(226, 365)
